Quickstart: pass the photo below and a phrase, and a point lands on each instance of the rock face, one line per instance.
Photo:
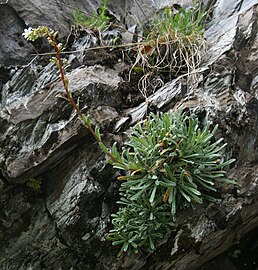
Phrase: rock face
(63, 225)
(58, 15)
(13, 48)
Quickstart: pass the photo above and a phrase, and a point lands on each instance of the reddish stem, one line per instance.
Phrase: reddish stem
(70, 99)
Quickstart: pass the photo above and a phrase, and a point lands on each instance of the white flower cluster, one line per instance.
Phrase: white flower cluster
(27, 32)
(33, 34)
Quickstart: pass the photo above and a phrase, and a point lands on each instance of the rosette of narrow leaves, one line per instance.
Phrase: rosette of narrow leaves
(138, 224)
(170, 163)
(169, 157)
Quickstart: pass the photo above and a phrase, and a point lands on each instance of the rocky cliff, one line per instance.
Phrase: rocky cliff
(63, 224)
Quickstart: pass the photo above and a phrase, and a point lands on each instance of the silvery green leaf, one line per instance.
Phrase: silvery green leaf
(86, 119)
(103, 147)
(153, 193)
(97, 132)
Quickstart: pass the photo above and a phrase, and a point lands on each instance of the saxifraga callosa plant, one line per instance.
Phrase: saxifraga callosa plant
(169, 161)
(173, 44)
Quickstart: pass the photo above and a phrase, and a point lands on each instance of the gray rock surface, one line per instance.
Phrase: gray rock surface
(29, 106)
(64, 225)
(13, 48)
(58, 15)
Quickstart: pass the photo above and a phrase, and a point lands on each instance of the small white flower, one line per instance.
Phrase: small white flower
(27, 32)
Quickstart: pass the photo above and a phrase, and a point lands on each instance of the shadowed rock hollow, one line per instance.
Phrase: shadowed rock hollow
(64, 225)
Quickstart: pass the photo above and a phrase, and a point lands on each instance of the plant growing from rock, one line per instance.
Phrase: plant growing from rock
(170, 163)
(173, 44)
(98, 20)
(34, 185)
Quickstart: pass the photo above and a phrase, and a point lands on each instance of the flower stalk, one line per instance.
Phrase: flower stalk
(66, 87)
(32, 34)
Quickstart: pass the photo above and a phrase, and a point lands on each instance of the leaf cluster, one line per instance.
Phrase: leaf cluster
(185, 22)
(34, 185)
(170, 163)
(173, 43)
(138, 224)
(98, 20)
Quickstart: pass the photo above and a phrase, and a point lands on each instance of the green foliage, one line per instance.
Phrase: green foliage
(140, 225)
(185, 22)
(34, 185)
(171, 163)
(79, 18)
(173, 44)
(98, 20)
